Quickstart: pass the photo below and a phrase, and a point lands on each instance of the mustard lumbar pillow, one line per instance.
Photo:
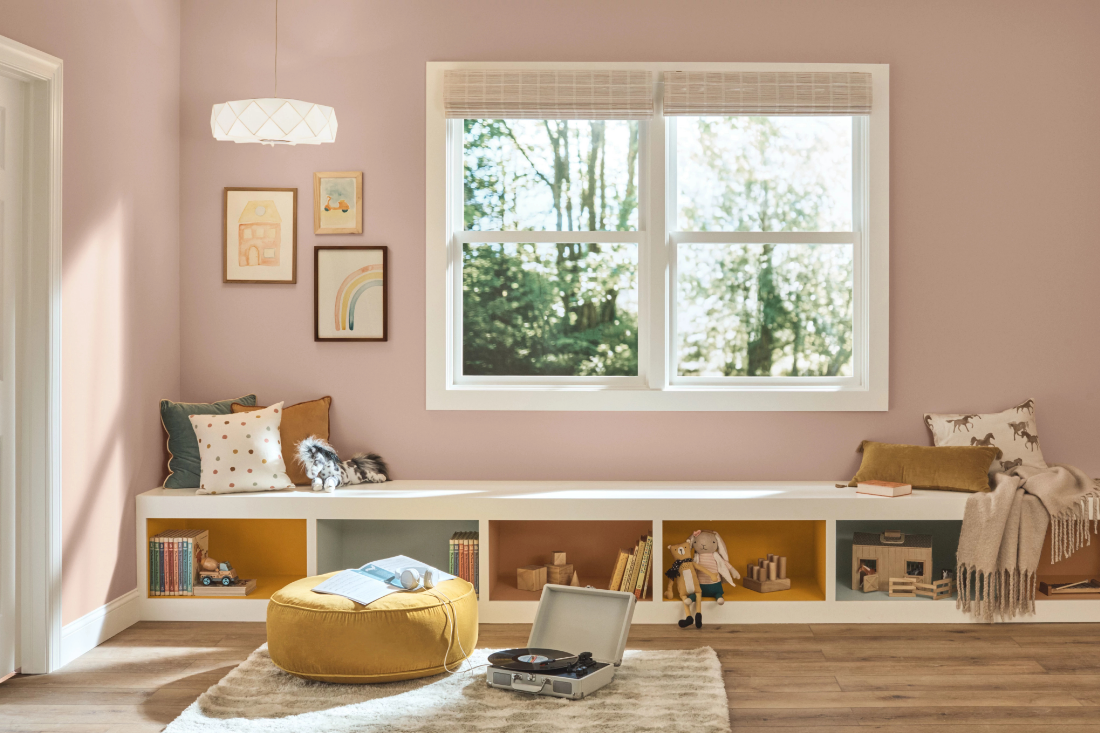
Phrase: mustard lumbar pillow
(1013, 431)
(950, 468)
(241, 452)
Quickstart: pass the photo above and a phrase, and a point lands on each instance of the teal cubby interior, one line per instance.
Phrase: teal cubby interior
(350, 543)
(945, 543)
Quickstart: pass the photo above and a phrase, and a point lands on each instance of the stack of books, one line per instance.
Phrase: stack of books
(174, 561)
(633, 568)
(463, 558)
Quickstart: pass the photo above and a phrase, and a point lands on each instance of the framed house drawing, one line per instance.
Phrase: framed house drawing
(260, 235)
(338, 202)
(350, 293)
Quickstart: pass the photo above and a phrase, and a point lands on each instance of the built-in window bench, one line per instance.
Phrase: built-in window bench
(280, 536)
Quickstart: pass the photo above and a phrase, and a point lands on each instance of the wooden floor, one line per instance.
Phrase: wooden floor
(829, 678)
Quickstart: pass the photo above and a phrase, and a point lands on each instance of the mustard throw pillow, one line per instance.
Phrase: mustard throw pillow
(950, 468)
(299, 422)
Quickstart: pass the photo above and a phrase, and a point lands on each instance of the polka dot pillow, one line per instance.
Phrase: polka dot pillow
(241, 452)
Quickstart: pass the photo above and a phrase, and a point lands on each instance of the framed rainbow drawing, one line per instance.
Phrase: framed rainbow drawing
(349, 293)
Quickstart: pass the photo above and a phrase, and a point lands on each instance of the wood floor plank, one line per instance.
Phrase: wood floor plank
(941, 728)
(735, 684)
(743, 668)
(942, 698)
(977, 682)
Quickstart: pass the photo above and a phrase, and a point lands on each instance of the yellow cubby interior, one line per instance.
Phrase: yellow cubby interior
(273, 551)
(802, 542)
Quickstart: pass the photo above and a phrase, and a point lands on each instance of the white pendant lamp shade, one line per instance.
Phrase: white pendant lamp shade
(273, 122)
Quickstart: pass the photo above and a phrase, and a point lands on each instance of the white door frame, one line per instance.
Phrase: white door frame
(38, 367)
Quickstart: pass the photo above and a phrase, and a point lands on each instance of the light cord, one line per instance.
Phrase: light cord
(276, 49)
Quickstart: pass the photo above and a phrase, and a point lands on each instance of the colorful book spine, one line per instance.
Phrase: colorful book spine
(626, 572)
(477, 562)
(647, 552)
(152, 567)
(171, 542)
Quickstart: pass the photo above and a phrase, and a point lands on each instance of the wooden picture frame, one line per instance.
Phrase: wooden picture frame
(263, 218)
(342, 276)
(329, 218)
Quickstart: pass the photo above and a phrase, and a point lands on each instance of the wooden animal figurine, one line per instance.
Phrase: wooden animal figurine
(712, 563)
(683, 580)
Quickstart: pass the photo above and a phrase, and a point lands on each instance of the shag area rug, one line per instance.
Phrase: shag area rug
(652, 691)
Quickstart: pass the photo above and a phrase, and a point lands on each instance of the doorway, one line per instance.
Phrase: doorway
(30, 358)
(12, 104)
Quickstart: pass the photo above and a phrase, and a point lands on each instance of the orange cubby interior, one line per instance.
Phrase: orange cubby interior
(273, 551)
(591, 547)
(802, 542)
(1081, 565)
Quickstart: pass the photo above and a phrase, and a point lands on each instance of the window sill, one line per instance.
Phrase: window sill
(701, 398)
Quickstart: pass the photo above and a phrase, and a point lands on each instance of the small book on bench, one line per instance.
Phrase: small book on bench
(883, 488)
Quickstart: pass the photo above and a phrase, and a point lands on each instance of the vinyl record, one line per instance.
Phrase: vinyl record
(531, 660)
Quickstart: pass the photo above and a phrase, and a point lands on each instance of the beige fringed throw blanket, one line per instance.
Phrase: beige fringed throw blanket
(1003, 533)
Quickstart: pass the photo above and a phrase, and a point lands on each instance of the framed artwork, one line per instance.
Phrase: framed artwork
(260, 235)
(338, 202)
(349, 293)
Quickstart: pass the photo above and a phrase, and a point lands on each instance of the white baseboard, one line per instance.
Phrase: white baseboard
(96, 627)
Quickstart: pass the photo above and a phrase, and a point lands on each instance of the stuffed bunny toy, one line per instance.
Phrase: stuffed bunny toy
(712, 563)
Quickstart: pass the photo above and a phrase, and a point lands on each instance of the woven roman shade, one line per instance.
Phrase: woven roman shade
(548, 95)
(767, 93)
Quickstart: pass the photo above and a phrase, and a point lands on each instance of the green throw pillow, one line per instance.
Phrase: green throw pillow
(183, 447)
(950, 468)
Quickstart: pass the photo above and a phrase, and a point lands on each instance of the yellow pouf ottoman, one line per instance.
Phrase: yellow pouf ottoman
(400, 637)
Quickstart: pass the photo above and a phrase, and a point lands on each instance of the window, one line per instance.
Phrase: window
(561, 306)
(592, 249)
(755, 295)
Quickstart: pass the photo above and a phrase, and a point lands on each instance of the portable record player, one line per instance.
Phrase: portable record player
(575, 645)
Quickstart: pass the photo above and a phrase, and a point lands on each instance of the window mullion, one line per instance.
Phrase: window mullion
(656, 256)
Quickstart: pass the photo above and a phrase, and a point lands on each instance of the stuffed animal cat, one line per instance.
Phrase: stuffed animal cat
(324, 468)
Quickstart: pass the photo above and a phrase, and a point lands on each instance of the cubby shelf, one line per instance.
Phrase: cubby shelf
(280, 536)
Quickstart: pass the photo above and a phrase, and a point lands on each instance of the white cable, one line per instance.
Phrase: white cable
(452, 621)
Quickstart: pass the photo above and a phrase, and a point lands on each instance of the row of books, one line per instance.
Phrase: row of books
(633, 568)
(463, 556)
(174, 558)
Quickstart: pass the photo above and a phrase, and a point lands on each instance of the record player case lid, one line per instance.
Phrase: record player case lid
(577, 620)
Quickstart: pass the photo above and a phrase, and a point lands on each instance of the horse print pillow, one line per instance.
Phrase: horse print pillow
(1013, 431)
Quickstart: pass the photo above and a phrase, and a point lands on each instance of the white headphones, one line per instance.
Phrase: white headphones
(409, 579)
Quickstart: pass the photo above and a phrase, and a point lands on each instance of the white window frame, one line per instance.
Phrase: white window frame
(657, 386)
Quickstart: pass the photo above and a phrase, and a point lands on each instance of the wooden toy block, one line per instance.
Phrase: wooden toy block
(937, 589)
(870, 583)
(766, 586)
(903, 587)
(576, 581)
(559, 558)
(531, 577)
(559, 574)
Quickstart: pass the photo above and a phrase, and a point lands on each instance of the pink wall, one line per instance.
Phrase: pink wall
(120, 269)
(994, 248)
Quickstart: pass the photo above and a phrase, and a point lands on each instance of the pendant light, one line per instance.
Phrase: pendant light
(274, 121)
